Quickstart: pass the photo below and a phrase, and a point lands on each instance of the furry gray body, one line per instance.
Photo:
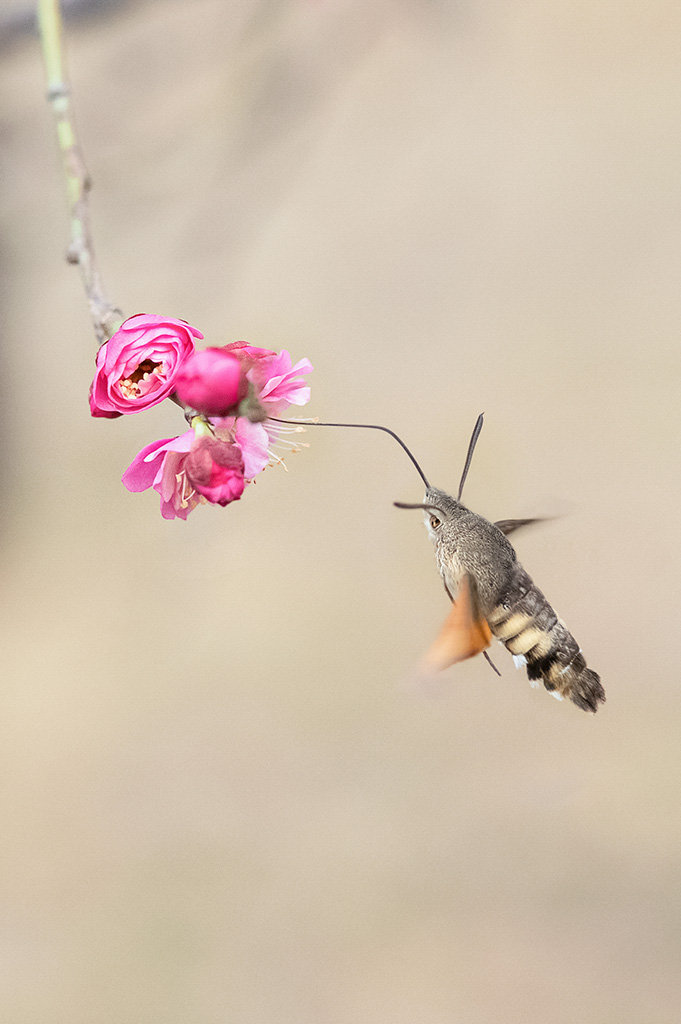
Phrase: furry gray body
(517, 612)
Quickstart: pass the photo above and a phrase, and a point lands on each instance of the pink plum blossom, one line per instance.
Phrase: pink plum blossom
(212, 381)
(190, 469)
(216, 459)
(138, 366)
(277, 383)
(284, 386)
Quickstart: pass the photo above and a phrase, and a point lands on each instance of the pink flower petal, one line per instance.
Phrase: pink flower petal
(253, 440)
(142, 470)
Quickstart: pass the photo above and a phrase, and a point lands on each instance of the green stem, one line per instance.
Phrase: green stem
(106, 317)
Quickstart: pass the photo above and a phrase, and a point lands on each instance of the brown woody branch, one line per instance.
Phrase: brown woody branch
(106, 317)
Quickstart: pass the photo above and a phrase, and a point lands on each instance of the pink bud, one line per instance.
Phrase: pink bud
(215, 469)
(212, 381)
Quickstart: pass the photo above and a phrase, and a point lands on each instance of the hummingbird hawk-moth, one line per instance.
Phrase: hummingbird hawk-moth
(492, 596)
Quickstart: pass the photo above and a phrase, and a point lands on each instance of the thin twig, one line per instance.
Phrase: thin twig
(105, 316)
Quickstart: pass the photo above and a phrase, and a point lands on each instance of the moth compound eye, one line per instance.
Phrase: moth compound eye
(434, 522)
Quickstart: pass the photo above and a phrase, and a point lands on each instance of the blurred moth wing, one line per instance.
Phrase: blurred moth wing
(511, 525)
(464, 634)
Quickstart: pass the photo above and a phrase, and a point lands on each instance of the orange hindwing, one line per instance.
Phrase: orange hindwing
(464, 634)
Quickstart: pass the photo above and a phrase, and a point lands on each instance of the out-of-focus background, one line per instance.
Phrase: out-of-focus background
(219, 801)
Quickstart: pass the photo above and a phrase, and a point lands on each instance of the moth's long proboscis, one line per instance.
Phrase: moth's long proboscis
(386, 430)
(362, 426)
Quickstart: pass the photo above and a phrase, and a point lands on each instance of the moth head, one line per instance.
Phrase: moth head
(439, 507)
(439, 510)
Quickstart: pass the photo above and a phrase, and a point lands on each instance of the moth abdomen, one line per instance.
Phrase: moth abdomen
(527, 625)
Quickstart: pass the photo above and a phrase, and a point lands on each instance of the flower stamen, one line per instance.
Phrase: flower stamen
(138, 382)
(186, 490)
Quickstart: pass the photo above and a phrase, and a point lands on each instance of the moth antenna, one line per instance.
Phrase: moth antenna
(362, 426)
(471, 448)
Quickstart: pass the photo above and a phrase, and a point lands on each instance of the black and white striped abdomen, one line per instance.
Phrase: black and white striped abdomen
(526, 623)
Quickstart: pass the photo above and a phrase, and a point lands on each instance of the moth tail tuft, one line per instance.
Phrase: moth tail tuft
(574, 680)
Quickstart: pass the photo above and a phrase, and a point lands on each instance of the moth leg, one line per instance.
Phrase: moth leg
(491, 663)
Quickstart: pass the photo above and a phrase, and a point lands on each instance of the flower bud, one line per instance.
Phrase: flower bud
(215, 469)
(212, 381)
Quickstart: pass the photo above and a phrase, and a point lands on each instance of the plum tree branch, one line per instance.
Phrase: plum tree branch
(106, 317)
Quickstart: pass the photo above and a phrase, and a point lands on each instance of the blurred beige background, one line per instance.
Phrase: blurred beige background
(219, 802)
